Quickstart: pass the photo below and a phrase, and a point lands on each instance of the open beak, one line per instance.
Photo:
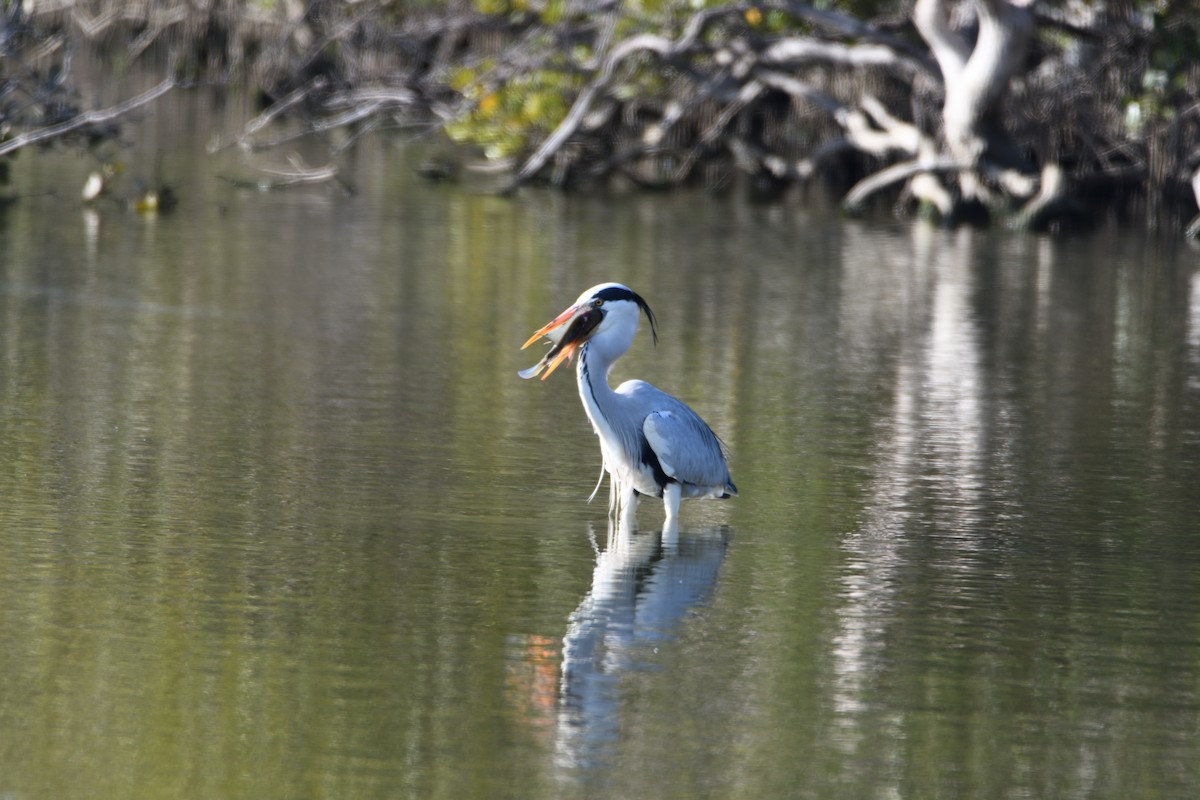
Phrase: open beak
(568, 331)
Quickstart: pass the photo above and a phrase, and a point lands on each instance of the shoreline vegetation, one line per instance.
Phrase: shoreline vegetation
(1047, 116)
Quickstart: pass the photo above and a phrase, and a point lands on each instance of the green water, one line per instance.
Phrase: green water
(279, 520)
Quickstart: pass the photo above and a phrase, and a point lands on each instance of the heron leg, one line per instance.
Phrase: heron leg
(672, 494)
(627, 503)
(613, 499)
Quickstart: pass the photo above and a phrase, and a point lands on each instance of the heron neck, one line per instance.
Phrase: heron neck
(592, 371)
(592, 374)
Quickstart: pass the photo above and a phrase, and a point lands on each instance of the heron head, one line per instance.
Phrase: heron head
(608, 308)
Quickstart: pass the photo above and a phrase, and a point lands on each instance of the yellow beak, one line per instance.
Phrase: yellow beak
(557, 322)
(562, 351)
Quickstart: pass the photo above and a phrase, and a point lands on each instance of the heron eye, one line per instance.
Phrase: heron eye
(597, 303)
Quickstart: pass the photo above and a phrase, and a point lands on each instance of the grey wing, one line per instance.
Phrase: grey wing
(686, 447)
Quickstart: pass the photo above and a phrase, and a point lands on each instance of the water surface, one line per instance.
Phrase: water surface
(279, 519)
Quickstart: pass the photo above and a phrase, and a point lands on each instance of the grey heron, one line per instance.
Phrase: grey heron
(651, 443)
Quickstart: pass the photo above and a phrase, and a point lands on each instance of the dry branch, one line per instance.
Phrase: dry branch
(858, 195)
(637, 44)
(930, 101)
(84, 119)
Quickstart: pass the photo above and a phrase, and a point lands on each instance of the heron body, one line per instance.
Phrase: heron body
(652, 444)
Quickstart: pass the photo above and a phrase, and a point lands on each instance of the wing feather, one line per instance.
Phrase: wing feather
(686, 447)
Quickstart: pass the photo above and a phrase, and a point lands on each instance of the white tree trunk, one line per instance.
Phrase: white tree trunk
(976, 78)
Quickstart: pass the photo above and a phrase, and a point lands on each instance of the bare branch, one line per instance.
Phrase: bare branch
(871, 184)
(301, 172)
(661, 46)
(951, 51)
(854, 28)
(583, 103)
(799, 50)
(907, 137)
(801, 91)
(1049, 201)
(927, 188)
(266, 117)
(85, 119)
(298, 174)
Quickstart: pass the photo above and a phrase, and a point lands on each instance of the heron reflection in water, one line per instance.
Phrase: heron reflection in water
(642, 586)
(651, 443)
